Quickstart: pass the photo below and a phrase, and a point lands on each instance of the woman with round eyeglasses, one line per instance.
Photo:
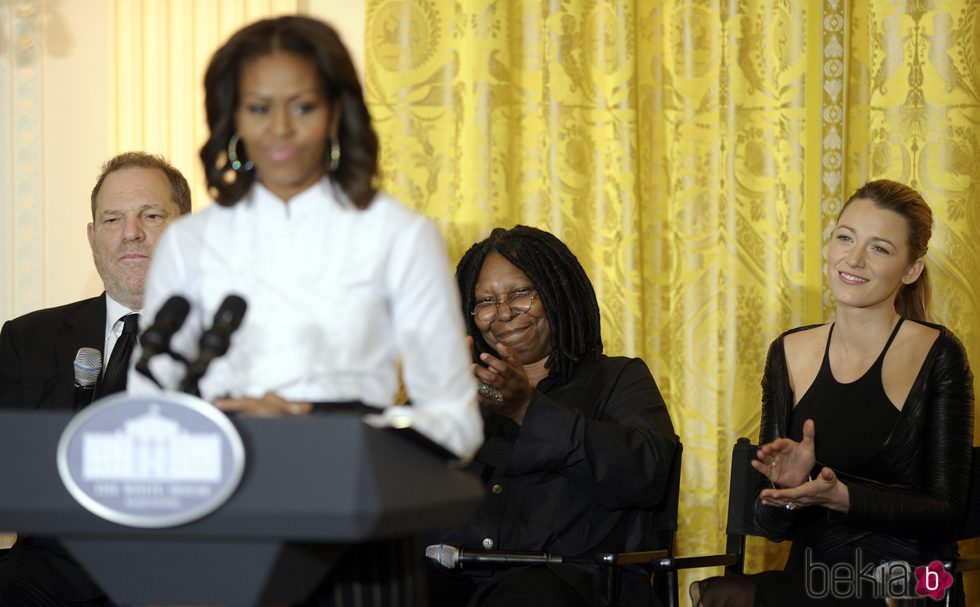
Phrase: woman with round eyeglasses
(867, 425)
(578, 445)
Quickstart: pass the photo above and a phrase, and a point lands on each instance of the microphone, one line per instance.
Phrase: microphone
(156, 339)
(452, 557)
(215, 341)
(87, 366)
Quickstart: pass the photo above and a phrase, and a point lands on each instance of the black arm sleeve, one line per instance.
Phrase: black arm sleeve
(774, 523)
(621, 458)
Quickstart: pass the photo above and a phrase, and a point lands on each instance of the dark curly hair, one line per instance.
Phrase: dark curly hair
(561, 282)
(913, 299)
(308, 38)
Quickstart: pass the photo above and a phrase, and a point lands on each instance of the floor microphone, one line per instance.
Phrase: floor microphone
(452, 557)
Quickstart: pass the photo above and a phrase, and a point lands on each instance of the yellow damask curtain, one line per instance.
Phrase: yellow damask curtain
(694, 156)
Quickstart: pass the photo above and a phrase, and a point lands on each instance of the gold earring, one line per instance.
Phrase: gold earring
(334, 154)
(233, 160)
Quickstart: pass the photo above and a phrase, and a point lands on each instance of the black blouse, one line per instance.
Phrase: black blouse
(592, 453)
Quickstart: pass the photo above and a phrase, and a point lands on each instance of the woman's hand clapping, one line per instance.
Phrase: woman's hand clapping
(505, 374)
(785, 462)
(826, 490)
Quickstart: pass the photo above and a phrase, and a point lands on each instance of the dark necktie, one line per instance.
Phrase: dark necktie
(114, 378)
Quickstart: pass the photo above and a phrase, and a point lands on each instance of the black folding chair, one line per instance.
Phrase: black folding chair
(742, 488)
(663, 582)
(970, 530)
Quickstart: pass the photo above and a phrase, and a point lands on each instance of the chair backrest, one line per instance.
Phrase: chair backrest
(664, 584)
(971, 527)
(742, 489)
(666, 511)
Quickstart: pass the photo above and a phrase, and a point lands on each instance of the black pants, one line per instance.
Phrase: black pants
(38, 572)
(380, 574)
(535, 586)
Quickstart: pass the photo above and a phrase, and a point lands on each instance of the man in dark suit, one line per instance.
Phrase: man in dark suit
(135, 197)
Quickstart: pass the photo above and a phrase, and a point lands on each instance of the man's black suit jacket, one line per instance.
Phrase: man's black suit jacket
(37, 353)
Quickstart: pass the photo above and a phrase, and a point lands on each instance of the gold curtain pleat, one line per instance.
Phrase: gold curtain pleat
(694, 155)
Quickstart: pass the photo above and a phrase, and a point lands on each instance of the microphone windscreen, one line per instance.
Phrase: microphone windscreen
(444, 554)
(87, 366)
(230, 313)
(172, 314)
(169, 319)
(226, 320)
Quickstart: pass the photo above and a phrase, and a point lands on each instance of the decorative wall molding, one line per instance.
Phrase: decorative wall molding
(21, 217)
(6, 149)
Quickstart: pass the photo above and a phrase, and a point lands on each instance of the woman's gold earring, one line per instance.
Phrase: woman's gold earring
(334, 154)
(233, 155)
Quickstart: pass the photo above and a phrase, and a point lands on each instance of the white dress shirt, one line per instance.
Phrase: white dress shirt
(336, 296)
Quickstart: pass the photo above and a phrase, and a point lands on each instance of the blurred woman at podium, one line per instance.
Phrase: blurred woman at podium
(341, 281)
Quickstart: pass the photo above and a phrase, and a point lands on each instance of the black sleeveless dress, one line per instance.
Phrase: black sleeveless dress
(851, 421)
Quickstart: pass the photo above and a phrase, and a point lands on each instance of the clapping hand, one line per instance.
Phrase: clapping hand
(505, 375)
(825, 490)
(786, 462)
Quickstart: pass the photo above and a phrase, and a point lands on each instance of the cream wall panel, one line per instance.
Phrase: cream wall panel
(347, 17)
(180, 90)
(74, 143)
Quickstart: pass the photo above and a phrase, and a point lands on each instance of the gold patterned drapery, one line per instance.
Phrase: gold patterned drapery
(694, 155)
